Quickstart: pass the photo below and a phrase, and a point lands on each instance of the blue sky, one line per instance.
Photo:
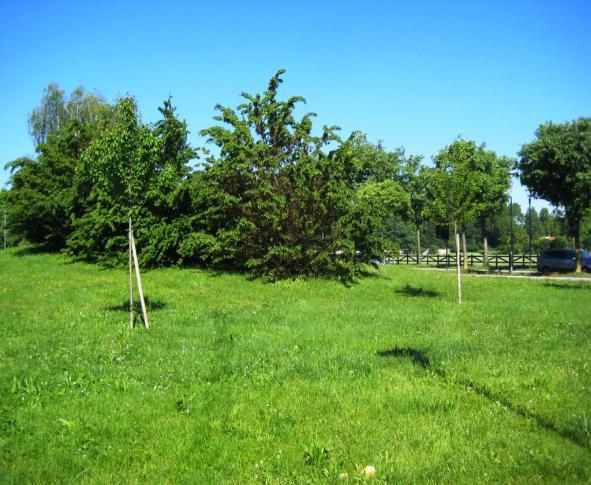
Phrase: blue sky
(413, 74)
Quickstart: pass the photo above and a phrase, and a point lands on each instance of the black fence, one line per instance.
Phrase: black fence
(494, 261)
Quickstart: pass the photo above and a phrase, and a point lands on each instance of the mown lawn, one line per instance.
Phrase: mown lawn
(298, 381)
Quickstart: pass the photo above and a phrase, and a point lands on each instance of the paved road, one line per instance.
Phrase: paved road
(524, 275)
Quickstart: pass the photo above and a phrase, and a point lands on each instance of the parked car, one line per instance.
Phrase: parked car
(562, 260)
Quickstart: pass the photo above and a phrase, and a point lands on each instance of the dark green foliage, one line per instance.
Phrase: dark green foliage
(275, 203)
(42, 191)
(586, 230)
(402, 233)
(134, 170)
(12, 238)
(549, 225)
(442, 232)
(376, 176)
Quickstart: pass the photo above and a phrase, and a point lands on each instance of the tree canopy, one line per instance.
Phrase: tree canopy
(276, 195)
(280, 203)
(557, 167)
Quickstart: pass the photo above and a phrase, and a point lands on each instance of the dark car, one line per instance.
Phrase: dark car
(562, 260)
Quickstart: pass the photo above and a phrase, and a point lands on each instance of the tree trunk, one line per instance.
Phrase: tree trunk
(465, 251)
(577, 240)
(418, 245)
(485, 257)
(458, 272)
(574, 223)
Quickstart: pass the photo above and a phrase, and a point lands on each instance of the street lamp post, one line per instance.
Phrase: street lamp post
(4, 226)
(511, 230)
(529, 228)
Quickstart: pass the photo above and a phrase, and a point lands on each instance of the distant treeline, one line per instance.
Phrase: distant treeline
(273, 196)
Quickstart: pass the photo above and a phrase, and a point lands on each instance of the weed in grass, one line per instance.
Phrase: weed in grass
(316, 455)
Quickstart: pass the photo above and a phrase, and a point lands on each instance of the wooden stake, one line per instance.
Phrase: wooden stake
(139, 282)
(131, 309)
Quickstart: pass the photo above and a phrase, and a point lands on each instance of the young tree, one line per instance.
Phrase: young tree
(415, 184)
(557, 167)
(113, 183)
(138, 171)
(453, 191)
(495, 192)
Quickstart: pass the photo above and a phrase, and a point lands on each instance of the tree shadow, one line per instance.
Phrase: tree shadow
(568, 286)
(151, 306)
(373, 274)
(418, 357)
(34, 249)
(409, 290)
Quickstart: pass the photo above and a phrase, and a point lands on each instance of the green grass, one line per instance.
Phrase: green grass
(240, 381)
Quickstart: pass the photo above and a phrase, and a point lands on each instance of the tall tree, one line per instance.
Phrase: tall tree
(547, 223)
(56, 109)
(42, 189)
(533, 227)
(557, 167)
(275, 203)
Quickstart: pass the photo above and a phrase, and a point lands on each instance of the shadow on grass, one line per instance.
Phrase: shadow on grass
(579, 436)
(418, 357)
(20, 251)
(409, 290)
(373, 274)
(151, 306)
(568, 286)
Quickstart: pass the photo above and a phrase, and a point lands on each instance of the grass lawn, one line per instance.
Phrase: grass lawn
(298, 381)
